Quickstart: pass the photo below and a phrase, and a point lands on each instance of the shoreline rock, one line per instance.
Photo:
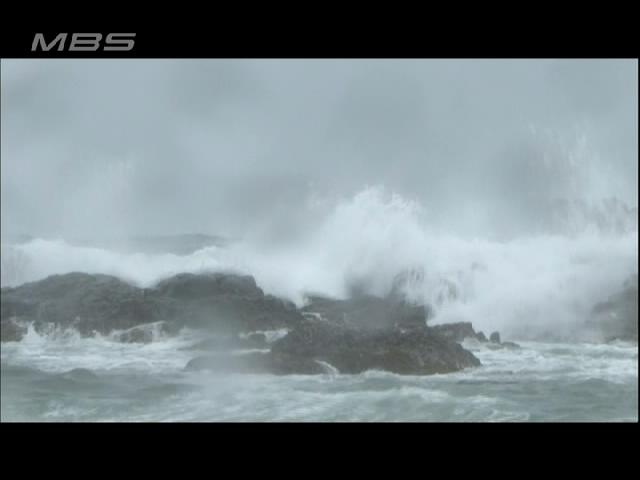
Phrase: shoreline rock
(460, 331)
(352, 336)
(12, 331)
(368, 312)
(616, 318)
(223, 302)
(416, 351)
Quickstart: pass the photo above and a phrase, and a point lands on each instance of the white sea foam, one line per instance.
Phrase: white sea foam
(522, 286)
(59, 350)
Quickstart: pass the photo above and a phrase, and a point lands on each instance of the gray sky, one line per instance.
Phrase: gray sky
(115, 147)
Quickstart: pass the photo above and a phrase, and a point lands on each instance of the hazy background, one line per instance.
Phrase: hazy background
(131, 147)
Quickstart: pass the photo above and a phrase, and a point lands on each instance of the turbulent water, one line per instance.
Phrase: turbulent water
(536, 289)
(71, 379)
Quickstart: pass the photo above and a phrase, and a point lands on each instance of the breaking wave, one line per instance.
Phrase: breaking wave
(519, 285)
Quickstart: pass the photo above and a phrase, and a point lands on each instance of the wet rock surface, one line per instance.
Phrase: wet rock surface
(12, 331)
(353, 335)
(460, 331)
(103, 304)
(416, 351)
(616, 318)
(368, 312)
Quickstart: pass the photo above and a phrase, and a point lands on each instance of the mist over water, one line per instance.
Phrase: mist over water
(111, 148)
(528, 285)
(509, 185)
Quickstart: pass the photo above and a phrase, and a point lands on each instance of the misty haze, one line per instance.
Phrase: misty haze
(319, 240)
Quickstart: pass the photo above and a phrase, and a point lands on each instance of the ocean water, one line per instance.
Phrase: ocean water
(66, 378)
(536, 289)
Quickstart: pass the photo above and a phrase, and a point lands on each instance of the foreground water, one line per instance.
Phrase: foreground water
(65, 378)
(531, 286)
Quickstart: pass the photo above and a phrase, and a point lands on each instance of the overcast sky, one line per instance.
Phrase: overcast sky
(114, 147)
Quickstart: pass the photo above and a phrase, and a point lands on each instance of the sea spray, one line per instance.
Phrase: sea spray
(524, 286)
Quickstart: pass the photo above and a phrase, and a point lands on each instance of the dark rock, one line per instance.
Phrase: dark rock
(87, 302)
(368, 312)
(102, 303)
(12, 331)
(226, 302)
(318, 346)
(415, 351)
(617, 317)
(458, 331)
(189, 286)
(352, 335)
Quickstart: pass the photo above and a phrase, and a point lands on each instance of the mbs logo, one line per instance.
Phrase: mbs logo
(85, 42)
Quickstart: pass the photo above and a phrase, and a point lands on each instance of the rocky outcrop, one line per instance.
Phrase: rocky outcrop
(102, 303)
(189, 286)
(314, 347)
(86, 302)
(352, 336)
(12, 331)
(460, 331)
(617, 317)
(368, 312)
(416, 351)
(230, 302)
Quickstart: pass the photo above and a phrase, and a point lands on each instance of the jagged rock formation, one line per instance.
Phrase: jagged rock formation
(351, 335)
(416, 351)
(103, 304)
